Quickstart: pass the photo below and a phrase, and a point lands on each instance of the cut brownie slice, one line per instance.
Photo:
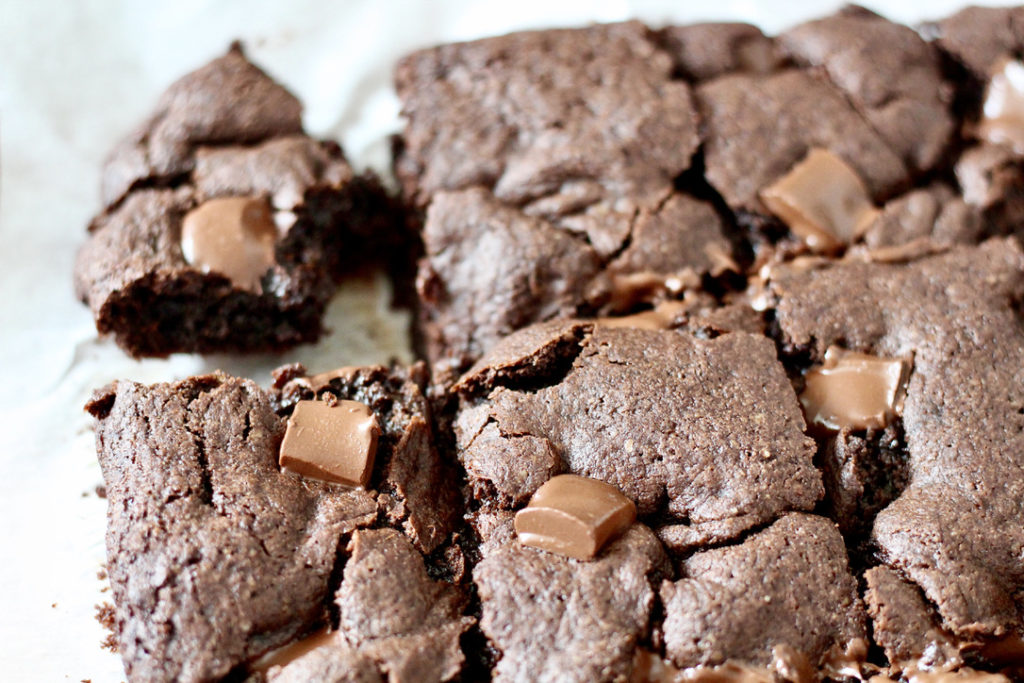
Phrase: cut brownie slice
(216, 555)
(707, 433)
(225, 227)
(955, 531)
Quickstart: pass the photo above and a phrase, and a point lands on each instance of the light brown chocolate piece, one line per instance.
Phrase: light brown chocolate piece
(662, 317)
(283, 656)
(335, 443)
(1002, 120)
(574, 516)
(822, 200)
(854, 390)
(232, 236)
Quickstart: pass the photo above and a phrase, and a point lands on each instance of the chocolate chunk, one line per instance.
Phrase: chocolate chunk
(854, 390)
(233, 236)
(574, 516)
(890, 74)
(1002, 112)
(957, 529)
(602, 412)
(417, 490)
(553, 617)
(335, 443)
(664, 316)
(822, 201)
(792, 575)
(783, 117)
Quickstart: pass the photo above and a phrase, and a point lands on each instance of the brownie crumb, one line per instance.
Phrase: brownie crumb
(106, 614)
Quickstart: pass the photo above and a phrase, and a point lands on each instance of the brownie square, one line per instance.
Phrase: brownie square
(217, 557)
(225, 227)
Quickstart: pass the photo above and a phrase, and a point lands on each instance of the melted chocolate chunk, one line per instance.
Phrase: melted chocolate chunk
(233, 236)
(331, 442)
(822, 201)
(574, 516)
(854, 390)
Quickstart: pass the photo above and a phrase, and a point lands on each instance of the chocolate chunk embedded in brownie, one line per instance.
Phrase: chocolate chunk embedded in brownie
(225, 227)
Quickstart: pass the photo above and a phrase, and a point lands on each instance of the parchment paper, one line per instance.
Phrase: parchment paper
(75, 77)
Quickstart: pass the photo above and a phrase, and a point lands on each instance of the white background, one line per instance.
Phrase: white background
(74, 77)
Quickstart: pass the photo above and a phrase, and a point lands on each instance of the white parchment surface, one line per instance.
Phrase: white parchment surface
(74, 77)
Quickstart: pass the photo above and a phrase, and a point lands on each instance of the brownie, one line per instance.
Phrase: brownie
(544, 200)
(224, 226)
(580, 126)
(216, 556)
(725, 347)
(632, 407)
(954, 531)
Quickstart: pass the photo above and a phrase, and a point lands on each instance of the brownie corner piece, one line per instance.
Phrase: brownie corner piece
(218, 556)
(225, 227)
